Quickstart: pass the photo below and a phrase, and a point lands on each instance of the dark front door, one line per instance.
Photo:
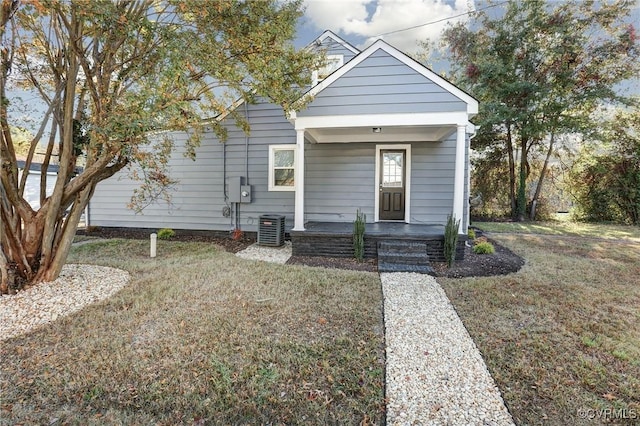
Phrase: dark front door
(392, 184)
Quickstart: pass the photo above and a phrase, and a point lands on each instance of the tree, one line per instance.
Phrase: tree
(606, 177)
(539, 71)
(109, 74)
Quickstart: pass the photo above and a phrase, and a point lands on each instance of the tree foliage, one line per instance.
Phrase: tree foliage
(111, 73)
(606, 178)
(539, 71)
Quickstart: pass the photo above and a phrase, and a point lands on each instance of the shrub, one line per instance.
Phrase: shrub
(451, 240)
(471, 234)
(358, 235)
(166, 233)
(484, 247)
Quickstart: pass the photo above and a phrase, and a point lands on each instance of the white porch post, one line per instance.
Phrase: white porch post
(298, 224)
(458, 188)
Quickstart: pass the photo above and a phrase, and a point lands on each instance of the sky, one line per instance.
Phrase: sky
(361, 22)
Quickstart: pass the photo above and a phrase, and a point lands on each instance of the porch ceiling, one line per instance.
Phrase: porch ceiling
(386, 134)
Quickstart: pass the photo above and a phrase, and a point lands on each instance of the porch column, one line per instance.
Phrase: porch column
(298, 223)
(458, 188)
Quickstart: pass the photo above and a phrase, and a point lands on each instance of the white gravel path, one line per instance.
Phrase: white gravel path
(268, 254)
(435, 373)
(77, 286)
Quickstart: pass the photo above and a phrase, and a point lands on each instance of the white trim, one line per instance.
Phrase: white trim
(381, 120)
(407, 186)
(298, 218)
(458, 185)
(472, 103)
(271, 178)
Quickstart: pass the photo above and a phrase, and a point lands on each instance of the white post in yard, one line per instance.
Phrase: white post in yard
(154, 241)
(458, 186)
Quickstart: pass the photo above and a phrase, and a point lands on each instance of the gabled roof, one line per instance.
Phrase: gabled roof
(329, 34)
(472, 103)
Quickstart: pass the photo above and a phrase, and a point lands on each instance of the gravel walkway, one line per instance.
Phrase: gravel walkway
(435, 373)
(77, 286)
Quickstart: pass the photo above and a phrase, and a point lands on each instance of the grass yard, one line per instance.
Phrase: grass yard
(564, 228)
(562, 336)
(203, 337)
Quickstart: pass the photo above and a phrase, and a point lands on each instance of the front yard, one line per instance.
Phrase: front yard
(203, 337)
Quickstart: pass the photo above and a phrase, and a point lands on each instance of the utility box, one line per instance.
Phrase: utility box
(238, 193)
(271, 230)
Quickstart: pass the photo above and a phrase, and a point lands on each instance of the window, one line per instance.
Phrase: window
(333, 63)
(282, 161)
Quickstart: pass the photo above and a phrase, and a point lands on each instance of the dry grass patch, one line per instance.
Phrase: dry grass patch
(202, 337)
(565, 228)
(562, 336)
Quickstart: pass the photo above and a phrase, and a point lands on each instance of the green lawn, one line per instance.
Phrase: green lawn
(202, 337)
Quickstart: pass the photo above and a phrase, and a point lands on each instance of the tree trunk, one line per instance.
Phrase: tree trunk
(522, 184)
(536, 196)
(512, 172)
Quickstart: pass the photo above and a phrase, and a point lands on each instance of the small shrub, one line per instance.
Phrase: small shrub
(484, 248)
(358, 235)
(91, 228)
(471, 234)
(451, 240)
(237, 234)
(166, 233)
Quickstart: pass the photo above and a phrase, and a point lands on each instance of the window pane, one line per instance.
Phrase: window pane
(393, 169)
(283, 177)
(283, 158)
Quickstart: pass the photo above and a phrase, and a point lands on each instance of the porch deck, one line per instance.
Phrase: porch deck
(335, 239)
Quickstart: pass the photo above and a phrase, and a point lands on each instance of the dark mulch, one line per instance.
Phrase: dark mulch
(221, 238)
(502, 262)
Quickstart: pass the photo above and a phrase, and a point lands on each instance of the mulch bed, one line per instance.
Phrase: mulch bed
(502, 262)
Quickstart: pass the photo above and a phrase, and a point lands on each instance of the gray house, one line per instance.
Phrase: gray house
(383, 134)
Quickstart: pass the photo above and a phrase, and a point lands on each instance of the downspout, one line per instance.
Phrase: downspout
(246, 146)
(471, 136)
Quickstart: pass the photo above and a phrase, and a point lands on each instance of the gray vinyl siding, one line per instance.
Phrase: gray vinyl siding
(198, 199)
(381, 84)
(340, 178)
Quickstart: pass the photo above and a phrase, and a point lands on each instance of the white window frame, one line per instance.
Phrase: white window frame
(334, 62)
(272, 180)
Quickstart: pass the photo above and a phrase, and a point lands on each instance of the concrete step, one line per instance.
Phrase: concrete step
(403, 256)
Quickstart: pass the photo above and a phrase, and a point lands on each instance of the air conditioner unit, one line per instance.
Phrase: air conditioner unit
(271, 230)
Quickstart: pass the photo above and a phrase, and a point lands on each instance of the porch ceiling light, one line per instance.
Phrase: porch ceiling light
(376, 129)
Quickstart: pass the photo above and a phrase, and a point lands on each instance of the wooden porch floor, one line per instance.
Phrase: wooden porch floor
(395, 230)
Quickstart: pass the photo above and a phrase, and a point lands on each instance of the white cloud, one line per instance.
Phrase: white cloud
(373, 19)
